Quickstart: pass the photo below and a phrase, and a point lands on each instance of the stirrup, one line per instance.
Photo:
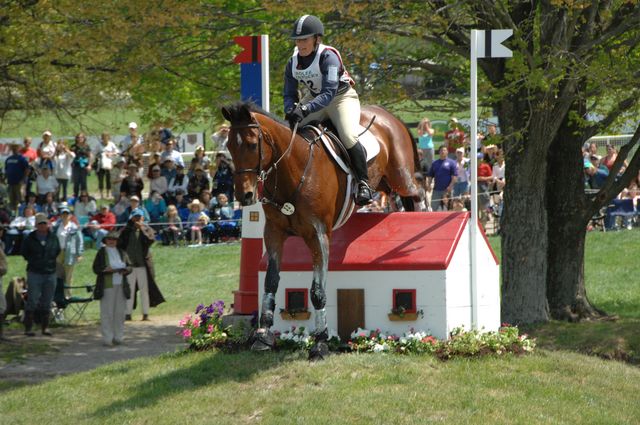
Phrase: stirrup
(364, 194)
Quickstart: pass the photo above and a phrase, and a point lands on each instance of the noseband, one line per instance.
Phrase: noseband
(286, 208)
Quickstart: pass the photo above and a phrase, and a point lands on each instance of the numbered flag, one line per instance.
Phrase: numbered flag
(489, 44)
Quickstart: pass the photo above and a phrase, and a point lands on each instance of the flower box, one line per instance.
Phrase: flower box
(404, 317)
(302, 315)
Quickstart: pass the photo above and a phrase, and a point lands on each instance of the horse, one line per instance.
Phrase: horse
(303, 191)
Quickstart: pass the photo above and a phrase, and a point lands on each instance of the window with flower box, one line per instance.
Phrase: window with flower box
(404, 305)
(296, 304)
(404, 300)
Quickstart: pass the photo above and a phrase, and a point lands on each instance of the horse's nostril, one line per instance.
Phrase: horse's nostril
(248, 198)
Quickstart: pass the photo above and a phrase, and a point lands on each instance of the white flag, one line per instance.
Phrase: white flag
(489, 44)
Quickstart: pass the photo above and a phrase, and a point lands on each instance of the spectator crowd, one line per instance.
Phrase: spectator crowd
(182, 197)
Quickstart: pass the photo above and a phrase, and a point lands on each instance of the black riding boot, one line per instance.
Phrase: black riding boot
(44, 323)
(359, 163)
(28, 323)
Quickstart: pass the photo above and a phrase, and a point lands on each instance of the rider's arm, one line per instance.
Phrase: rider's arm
(290, 93)
(331, 69)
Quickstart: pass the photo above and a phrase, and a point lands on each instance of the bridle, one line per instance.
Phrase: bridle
(257, 170)
(262, 175)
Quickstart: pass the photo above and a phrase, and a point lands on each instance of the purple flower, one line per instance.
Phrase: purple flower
(199, 307)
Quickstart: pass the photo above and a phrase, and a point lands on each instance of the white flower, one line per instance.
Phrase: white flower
(380, 347)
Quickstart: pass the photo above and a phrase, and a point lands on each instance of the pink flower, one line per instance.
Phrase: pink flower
(196, 321)
(210, 329)
(186, 333)
(184, 320)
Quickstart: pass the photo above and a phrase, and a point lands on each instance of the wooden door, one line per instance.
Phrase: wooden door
(350, 312)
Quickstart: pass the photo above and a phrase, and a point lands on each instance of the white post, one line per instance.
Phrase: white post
(473, 225)
(265, 71)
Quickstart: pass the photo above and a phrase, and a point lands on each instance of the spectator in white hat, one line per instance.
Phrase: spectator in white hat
(47, 149)
(130, 139)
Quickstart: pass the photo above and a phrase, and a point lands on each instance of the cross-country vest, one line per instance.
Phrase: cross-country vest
(312, 76)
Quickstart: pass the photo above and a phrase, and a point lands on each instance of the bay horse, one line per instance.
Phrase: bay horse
(304, 191)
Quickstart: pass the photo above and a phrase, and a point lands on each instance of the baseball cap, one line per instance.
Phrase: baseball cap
(41, 218)
(132, 124)
(137, 212)
(64, 209)
(46, 133)
(461, 150)
(134, 198)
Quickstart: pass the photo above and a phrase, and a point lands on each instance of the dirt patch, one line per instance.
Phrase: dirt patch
(79, 348)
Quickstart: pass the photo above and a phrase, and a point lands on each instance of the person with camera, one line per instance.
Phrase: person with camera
(136, 239)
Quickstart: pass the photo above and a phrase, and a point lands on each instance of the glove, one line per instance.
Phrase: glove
(297, 114)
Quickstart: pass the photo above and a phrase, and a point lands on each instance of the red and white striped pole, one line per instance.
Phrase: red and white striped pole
(245, 299)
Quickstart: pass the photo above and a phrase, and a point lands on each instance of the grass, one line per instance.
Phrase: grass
(186, 276)
(360, 389)
(113, 120)
(558, 384)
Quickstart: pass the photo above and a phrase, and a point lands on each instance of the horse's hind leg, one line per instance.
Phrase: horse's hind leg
(319, 246)
(274, 241)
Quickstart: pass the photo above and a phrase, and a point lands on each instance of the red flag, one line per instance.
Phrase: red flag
(252, 49)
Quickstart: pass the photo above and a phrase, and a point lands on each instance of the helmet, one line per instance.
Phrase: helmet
(306, 26)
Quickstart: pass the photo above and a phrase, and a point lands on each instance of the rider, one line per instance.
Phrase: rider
(330, 94)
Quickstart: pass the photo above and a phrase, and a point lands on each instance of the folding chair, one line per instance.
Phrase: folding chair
(74, 306)
(620, 208)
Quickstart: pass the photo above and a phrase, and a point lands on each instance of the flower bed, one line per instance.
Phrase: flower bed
(203, 330)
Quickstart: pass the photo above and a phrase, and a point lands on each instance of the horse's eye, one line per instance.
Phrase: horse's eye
(252, 146)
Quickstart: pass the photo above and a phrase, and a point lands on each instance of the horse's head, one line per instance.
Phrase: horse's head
(245, 147)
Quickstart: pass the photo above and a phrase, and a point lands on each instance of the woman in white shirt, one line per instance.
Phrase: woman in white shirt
(62, 167)
(498, 175)
(106, 153)
(111, 267)
(85, 206)
(45, 183)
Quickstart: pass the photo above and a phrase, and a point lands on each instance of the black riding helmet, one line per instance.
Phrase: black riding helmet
(307, 26)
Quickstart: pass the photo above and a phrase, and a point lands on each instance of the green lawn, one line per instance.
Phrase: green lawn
(557, 384)
(113, 120)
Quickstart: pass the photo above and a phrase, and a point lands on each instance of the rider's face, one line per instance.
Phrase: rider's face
(306, 45)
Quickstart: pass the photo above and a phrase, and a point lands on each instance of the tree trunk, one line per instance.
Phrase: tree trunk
(524, 226)
(568, 215)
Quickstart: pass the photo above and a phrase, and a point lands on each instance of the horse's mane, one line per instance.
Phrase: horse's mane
(237, 112)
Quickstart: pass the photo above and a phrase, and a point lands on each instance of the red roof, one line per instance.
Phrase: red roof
(397, 241)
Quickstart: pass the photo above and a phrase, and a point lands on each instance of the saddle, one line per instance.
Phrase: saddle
(327, 133)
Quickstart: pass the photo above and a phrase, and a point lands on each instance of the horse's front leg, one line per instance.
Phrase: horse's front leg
(274, 241)
(319, 246)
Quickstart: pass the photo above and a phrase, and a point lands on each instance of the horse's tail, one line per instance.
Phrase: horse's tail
(416, 158)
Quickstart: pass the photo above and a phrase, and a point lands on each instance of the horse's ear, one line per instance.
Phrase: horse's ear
(245, 112)
(226, 114)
